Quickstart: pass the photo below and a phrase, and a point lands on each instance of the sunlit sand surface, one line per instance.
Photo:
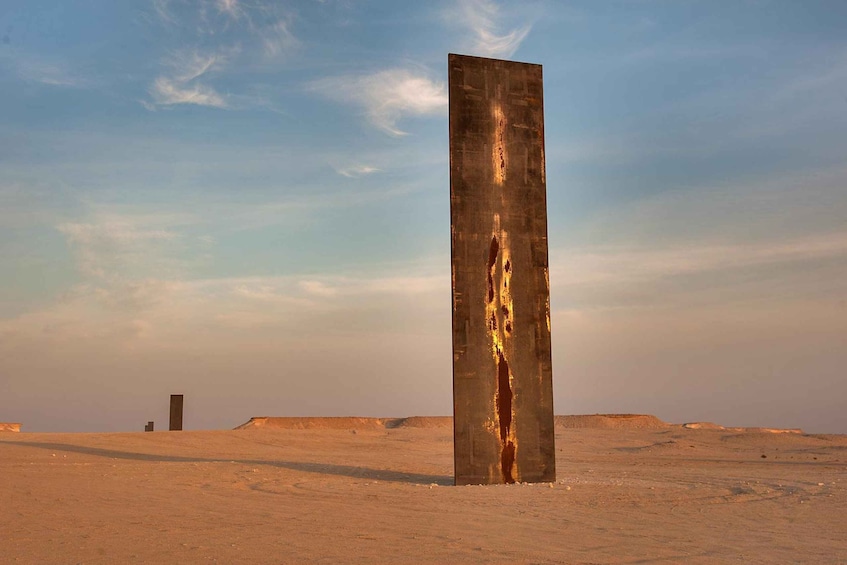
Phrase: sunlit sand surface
(379, 491)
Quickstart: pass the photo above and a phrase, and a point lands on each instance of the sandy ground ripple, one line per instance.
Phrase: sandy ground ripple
(383, 495)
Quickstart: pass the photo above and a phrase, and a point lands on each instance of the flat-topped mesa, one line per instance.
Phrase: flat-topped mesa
(570, 422)
(713, 426)
(312, 423)
(344, 423)
(611, 421)
(602, 421)
(10, 427)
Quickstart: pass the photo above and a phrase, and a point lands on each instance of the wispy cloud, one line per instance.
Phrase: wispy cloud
(164, 309)
(387, 96)
(118, 247)
(34, 69)
(779, 235)
(253, 25)
(167, 91)
(162, 9)
(100, 246)
(160, 310)
(487, 24)
(387, 284)
(51, 75)
(277, 38)
(354, 171)
(771, 207)
(191, 65)
(29, 204)
(218, 36)
(298, 209)
(230, 7)
(182, 84)
(626, 265)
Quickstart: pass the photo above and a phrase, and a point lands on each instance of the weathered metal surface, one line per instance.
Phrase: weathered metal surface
(502, 371)
(175, 423)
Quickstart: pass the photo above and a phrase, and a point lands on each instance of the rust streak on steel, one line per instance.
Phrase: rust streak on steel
(502, 373)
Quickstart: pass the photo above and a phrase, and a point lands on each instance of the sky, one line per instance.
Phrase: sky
(247, 203)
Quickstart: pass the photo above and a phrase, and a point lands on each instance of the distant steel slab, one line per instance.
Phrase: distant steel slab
(175, 420)
(502, 371)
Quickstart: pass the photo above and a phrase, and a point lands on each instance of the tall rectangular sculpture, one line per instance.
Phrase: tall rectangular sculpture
(175, 422)
(502, 371)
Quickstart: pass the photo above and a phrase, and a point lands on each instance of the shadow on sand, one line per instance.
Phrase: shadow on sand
(306, 467)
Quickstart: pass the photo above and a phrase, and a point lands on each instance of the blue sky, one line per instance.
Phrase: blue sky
(247, 203)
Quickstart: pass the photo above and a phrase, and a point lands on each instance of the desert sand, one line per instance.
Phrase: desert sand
(630, 489)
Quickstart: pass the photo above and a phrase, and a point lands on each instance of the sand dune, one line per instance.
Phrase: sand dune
(629, 489)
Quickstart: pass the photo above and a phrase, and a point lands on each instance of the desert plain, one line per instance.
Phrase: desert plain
(629, 489)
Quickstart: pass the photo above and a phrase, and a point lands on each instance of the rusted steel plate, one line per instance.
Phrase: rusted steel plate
(175, 422)
(502, 373)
